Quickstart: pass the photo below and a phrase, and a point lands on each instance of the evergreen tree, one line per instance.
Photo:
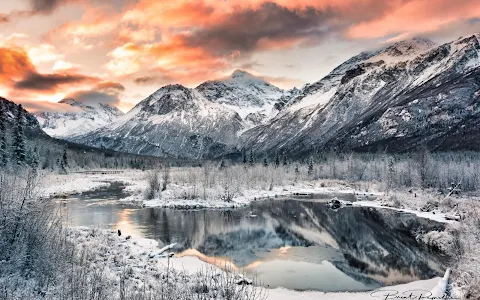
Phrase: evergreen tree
(265, 162)
(252, 158)
(3, 140)
(64, 161)
(297, 171)
(277, 160)
(310, 166)
(244, 157)
(34, 160)
(390, 172)
(285, 160)
(19, 137)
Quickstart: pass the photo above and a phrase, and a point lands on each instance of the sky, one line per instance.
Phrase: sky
(120, 51)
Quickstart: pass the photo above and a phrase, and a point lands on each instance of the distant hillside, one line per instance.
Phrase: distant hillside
(49, 150)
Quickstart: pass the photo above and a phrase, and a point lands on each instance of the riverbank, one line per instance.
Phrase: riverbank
(144, 264)
(418, 202)
(178, 194)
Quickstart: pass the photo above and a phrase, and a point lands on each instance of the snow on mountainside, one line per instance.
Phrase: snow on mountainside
(251, 97)
(174, 121)
(401, 97)
(80, 119)
(9, 109)
(409, 94)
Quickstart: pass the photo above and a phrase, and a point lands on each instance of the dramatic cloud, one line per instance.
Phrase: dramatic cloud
(93, 97)
(46, 45)
(416, 17)
(14, 65)
(46, 6)
(105, 92)
(33, 106)
(242, 31)
(50, 82)
(155, 79)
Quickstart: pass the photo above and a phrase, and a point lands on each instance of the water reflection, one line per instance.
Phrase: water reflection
(295, 244)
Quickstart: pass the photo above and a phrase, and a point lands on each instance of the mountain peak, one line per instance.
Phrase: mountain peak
(69, 101)
(241, 74)
(415, 45)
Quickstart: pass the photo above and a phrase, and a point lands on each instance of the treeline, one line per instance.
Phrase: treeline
(23, 144)
(421, 169)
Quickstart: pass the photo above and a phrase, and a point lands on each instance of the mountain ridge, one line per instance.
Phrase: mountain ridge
(81, 119)
(375, 101)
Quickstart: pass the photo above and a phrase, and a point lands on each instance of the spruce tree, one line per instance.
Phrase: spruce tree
(310, 166)
(285, 160)
(252, 158)
(64, 161)
(19, 137)
(244, 157)
(265, 162)
(277, 160)
(3, 140)
(34, 160)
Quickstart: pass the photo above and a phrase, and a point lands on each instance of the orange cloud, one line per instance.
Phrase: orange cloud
(14, 65)
(416, 17)
(172, 59)
(178, 14)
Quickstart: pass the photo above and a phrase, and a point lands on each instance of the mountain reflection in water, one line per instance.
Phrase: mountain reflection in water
(294, 244)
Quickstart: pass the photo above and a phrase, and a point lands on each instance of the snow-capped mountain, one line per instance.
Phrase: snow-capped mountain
(174, 121)
(78, 119)
(401, 97)
(404, 96)
(251, 97)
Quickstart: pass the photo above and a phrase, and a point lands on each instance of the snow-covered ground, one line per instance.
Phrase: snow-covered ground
(173, 197)
(137, 253)
(136, 184)
(141, 254)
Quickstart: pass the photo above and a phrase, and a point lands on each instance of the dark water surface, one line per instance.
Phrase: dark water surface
(298, 245)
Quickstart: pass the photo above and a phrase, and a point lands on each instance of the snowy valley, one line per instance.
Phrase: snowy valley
(359, 185)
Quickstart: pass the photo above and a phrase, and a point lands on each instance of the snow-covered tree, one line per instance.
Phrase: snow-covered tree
(19, 137)
(251, 161)
(310, 166)
(244, 157)
(64, 161)
(33, 158)
(277, 160)
(3, 140)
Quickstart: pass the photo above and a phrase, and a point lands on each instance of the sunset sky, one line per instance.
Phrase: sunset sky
(120, 51)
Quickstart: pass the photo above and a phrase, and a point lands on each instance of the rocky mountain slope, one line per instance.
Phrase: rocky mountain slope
(251, 97)
(174, 121)
(8, 109)
(49, 150)
(411, 94)
(407, 95)
(191, 123)
(80, 119)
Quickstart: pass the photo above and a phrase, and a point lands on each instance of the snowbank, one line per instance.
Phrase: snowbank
(136, 252)
(438, 217)
(417, 288)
